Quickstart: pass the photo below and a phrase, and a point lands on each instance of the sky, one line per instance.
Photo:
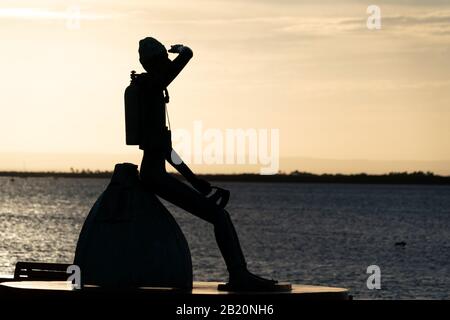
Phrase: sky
(343, 98)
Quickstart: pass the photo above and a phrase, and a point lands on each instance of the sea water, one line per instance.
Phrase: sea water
(319, 234)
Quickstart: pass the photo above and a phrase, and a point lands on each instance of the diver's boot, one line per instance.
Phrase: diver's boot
(240, 278)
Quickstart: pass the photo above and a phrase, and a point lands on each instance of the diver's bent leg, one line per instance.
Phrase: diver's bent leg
(181, 195)
(240, 279)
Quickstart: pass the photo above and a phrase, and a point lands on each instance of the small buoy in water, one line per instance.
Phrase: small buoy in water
(400, 244)
(12, 180)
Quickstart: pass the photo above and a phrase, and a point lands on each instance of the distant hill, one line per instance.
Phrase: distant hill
(295, 177)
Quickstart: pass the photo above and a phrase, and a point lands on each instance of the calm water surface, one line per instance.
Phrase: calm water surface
(323, 234)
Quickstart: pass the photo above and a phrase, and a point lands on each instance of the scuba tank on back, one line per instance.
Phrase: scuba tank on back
(132, 112)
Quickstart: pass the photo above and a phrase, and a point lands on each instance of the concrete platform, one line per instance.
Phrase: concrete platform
(205, 292)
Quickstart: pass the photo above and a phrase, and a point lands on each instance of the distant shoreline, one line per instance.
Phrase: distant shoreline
(426, 178)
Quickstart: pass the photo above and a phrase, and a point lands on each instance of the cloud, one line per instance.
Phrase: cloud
(295, 23)
(72, 12)
(434, 24)
(430, 24)
(224, 21)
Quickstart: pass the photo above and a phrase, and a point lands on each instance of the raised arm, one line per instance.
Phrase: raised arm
(176, 65)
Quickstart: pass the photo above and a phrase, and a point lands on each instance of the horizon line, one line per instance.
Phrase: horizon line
(87, 172)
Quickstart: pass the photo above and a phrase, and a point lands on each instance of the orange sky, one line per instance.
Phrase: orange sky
(343, 97)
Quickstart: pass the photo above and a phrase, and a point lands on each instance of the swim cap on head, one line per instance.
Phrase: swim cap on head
(149, 48)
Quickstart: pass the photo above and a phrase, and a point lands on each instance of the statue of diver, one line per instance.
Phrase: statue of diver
(202, 200)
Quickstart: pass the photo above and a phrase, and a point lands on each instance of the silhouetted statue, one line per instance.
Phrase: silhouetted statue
(129, 238)
(155, 140)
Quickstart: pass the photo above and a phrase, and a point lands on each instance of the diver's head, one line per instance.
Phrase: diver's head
(153, 55)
